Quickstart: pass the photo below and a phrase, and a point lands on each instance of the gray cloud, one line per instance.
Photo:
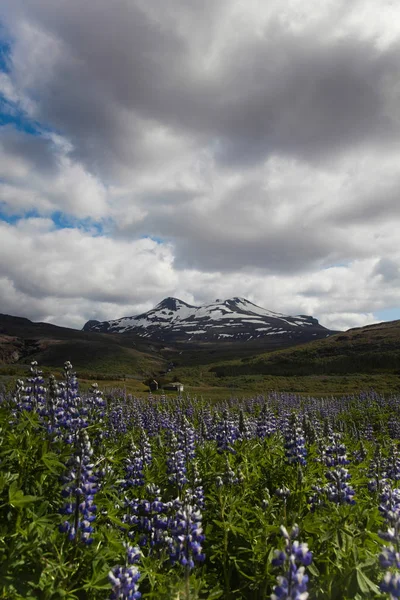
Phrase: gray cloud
(388, 269)
(37, 152)
(223, 242)
(116, 66)
(252, 140)
(312, 98)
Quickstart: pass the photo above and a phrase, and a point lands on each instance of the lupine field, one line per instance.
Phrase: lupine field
(110, 496)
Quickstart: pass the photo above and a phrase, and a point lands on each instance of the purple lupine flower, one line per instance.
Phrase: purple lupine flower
(203, 432)
(226, 433)
(338, 490)
(138, 515)
(335, 452)
(389, 557)
(389, 507)
(94, 404)
(206, 424)
(295, 444)
(176, 464)
(294, 559)
(52, 400)
(316, 499)
(244, 429)
(31, 396)
(70, 415)
(394, 428)
(145, 447)
(148, 518)
(79, 491)
(133, 554)
(186, 440)
(391, 585)
(359, 455)
(377, 471)
(229, 477)
(16, 399)
(393, 464)
(187, 537)
(36, 389)
(266, 423)
(311, 429)
(196, 490)
(134, 475)
(368, 432)
(124, 581)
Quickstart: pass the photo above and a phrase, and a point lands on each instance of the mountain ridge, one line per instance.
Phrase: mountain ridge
(233, 319)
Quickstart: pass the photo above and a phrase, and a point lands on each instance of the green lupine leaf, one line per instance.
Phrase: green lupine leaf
(52, 462)
(365, 584)
(17, 498)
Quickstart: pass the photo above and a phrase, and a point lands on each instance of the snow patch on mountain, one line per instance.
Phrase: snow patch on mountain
(234, 318)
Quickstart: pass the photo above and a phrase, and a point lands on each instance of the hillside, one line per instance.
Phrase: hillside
(22, 341)
(371, 349)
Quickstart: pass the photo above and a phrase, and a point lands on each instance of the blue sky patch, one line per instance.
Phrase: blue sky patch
(11, 115)
(12, 219)
(10, 112)
(153, 238)
(6, 218)
(5, 52)
(60, 220)
(64, 221)
(388, 314)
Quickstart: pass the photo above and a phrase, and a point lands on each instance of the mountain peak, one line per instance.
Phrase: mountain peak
(234, 319)
(236, 299)
(90, 325)
(240, 300)
(171, 303)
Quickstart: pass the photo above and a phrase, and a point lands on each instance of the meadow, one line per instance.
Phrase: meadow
(278, 495)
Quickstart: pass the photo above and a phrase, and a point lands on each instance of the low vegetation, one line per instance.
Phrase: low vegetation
(273, 496)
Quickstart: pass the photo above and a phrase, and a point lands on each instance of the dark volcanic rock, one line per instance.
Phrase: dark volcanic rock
(91, 325)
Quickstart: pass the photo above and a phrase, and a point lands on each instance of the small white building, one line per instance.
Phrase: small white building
(176, 386)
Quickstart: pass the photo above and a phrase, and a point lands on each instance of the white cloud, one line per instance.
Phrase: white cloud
(37, 173)
(69, 263)
(68, 276)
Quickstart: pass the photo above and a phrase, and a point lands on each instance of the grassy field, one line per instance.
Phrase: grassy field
(360, 359)
(240, 387)
(346, 363)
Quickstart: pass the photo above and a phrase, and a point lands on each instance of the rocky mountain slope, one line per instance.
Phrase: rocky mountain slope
(235, 319)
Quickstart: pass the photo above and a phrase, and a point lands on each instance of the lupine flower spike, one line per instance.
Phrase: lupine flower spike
(294, 559)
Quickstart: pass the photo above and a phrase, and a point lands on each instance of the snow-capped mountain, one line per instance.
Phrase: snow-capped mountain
(223, 320)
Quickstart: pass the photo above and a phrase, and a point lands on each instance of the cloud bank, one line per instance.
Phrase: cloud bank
(200, 150)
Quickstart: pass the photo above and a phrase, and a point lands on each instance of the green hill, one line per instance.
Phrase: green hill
(345, 363)
(371, 349)
(22, 341)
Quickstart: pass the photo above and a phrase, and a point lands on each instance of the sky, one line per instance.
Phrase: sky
(200, 149)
